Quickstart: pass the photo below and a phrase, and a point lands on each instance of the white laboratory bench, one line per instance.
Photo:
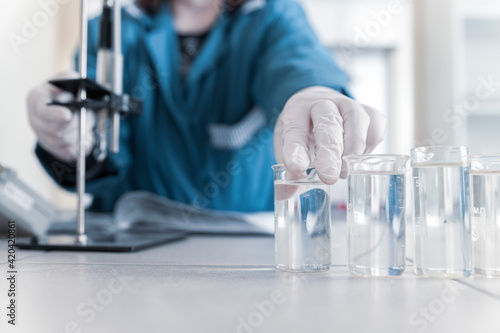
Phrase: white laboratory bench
(228, 284)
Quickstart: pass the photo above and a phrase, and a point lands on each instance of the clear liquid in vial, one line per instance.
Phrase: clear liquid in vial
(442, 220)
(302, 221)
(485, 199)
(376, 224)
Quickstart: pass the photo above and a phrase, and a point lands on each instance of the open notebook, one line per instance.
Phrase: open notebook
(147, 212)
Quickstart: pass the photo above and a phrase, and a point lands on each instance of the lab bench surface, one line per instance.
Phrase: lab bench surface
(227, 284)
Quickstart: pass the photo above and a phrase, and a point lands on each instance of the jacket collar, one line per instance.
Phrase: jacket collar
(163, 50)
(136, 14)
(162, 46)
(252, 5)
(213, 50)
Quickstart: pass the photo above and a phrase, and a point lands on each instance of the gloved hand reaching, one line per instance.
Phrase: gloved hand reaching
(319, 125)
(57, 127)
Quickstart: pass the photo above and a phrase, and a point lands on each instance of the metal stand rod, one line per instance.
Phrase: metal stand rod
(117, 74)
(109, 85)
(83, 40)
(81, 237)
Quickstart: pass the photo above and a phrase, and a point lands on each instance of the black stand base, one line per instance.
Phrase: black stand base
(119, 242)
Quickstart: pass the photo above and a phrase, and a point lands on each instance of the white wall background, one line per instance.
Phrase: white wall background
(46, 48)
(457, 45)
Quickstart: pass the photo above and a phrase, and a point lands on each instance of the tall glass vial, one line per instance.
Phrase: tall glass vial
(441, 215)
(376, 236)
(485, 215)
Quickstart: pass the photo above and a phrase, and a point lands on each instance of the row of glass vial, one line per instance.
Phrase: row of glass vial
(449, 226)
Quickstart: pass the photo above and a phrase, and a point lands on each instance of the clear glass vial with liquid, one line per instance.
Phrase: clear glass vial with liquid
(441, 216)
(302, 215)
(376, 229)
(485, 214)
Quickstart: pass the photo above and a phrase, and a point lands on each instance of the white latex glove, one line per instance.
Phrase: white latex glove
(319, 125)
(57, 127)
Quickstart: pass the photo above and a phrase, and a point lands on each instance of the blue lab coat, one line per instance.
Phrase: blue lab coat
(207, 140)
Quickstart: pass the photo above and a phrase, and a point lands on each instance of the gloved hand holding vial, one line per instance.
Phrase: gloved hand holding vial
(302, 221)
(317, 127)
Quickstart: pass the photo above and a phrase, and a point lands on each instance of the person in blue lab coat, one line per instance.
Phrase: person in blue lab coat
(220, 82)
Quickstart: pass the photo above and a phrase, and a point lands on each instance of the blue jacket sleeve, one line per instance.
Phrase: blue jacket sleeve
(292, 59)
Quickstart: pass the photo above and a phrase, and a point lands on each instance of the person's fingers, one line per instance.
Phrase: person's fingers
(46, 126)
(328, 135)
(55, 114)
(69, 132)
(66, 134)
(55, 126)
(69, 152)
(356, 124)
(64, 144)
(41, 96)
(63, 135)
(376, 130)
(296, 129)
(54, 141)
